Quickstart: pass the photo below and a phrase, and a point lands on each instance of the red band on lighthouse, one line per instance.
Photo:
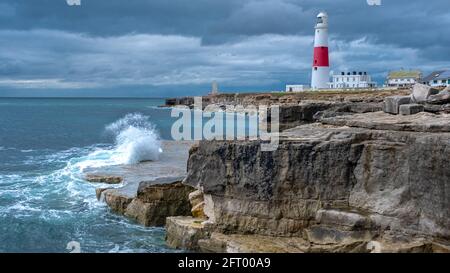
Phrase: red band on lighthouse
(321, 56)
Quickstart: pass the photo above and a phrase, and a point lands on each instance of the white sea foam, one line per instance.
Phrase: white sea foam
(136, 139)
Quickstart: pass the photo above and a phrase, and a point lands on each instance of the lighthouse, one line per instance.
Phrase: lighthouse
(321, 64)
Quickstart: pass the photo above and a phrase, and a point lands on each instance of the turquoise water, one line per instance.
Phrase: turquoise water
(44, 144)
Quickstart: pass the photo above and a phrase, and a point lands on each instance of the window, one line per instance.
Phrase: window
(435, 81)
(315, 68)
(448, 81)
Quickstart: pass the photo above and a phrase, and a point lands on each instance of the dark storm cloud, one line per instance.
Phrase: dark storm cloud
(243, 43)
(402, 22)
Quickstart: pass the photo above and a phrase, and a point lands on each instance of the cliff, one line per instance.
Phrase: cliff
(352, 183)
(298, 108)
(245, 99)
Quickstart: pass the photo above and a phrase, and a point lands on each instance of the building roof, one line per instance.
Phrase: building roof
(404, 74)
(438, 75)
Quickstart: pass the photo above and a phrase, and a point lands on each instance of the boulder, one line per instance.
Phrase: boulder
(432, 108)
(392, 104)
(155, 202)
(422, 92)
(411, 109)
(99, 193)
(198, 210)
(292, 115)
(152, 203)
(442, 98)
(117, 201)
(196, 197)
(185, 232)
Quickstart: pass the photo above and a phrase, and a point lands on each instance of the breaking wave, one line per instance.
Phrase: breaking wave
(136, 139)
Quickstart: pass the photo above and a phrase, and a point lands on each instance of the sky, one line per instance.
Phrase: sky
(160, 48)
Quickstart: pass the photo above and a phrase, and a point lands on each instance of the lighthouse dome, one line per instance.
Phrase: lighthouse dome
(322, 19)
(322, 14)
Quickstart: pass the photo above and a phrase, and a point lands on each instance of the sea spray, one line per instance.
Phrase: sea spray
(136, 139)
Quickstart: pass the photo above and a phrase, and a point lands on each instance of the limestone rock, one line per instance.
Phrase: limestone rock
(323, 235)
(410, 109)
(341, 109)
(198, 210)
(236, 243)
(196, 197)
(418, 245)
(254, 99)
(433, 108)
(116, 201)
(155, 202)
(442, 98)
(392, 104)
(185, 232)
(292, 115)
(344, 219)
(164, 190)
(421, 122)
(337, 186)
(107, 179)
(151, 191)
(99, 191)
(422, 92)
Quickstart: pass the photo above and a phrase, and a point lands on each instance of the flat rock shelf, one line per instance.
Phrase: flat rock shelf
(147, 192)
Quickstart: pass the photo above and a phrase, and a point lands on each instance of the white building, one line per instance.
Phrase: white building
(403, 78)
(352, 80)
(296, 88)
(438, 78)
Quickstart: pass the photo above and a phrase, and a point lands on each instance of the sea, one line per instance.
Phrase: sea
(45, 144)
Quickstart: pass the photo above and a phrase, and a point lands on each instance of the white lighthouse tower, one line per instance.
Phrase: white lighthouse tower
(321, 63)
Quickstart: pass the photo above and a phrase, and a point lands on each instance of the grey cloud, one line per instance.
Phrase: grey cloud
(245, 44)
(64, 60)
(145, 59)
